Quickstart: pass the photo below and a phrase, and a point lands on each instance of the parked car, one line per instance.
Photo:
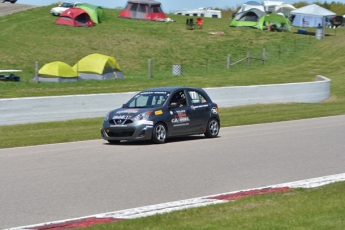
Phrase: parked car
(11, 1)
(56, 11)
(336, 21)
(159, 113)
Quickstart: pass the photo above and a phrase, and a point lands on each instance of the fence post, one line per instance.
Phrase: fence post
(263, 56)
(324, 31)
(248, 59)
(150, 68)
(228, 62)
(36, 71)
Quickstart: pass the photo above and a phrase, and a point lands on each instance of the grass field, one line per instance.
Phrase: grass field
(290, 57)
(304, 209)
(31, 36)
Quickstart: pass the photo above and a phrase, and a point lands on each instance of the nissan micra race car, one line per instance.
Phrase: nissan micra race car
(159, 113)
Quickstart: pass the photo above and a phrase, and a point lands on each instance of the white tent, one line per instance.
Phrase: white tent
(311, 16)
(250, 5)
(284, 9)
(270, 6)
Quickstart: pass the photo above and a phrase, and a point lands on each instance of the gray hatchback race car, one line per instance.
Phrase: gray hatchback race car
(158, 113)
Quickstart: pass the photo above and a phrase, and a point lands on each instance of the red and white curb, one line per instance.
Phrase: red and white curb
(179, 205)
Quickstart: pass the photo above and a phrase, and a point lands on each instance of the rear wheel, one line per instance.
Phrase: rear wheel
(159, 134)
(212, 129)
(113, 141)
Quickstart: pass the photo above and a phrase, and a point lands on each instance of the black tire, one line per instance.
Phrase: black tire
(159, 133)
(113, 141)
(212, 129)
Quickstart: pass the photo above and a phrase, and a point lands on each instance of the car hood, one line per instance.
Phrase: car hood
(128, 112)
(59, 8)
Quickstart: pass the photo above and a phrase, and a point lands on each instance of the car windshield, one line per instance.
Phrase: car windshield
(148, 100)
(66, 4)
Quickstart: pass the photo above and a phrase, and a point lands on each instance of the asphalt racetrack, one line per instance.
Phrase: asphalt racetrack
(8, 8)
(69, 180)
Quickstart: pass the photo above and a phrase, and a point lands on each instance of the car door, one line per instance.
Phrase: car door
(179, 118)
(201, 110)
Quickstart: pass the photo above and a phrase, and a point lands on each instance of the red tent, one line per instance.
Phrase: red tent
(143, 9)
(74, 17)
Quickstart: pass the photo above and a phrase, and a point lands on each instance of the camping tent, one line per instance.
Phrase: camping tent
(280, 20)
(247, 18)
(57, 72)
(250, 5)
(284, 9)
(143, 9)
(311, 16)
(270, 6)
(98, 67)
(96, 13)
(74, 17)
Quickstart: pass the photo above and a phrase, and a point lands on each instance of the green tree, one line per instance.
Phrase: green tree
(300, 4)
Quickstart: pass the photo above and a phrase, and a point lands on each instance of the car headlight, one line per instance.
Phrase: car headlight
(143, 116)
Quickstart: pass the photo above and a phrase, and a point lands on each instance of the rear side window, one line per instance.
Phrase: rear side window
(196, 97)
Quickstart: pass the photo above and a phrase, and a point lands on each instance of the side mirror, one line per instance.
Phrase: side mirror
(173, 105)
(124, 106)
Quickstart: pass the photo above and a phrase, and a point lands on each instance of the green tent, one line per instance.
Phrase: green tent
(96, 12)
(247, 19)
(57, 72)
(279, 20)
(98, 67)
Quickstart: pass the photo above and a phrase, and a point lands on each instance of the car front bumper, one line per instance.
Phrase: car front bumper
(138, 130)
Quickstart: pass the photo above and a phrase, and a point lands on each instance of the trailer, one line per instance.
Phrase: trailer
(201, 12)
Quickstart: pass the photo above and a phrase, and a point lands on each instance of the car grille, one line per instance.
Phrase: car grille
(120, 121)
(121, 133)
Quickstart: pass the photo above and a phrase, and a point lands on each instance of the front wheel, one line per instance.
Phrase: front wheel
(159, 134)
(212, 129)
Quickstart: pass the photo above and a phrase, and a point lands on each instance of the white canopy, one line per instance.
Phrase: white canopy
(311, 16)
(313, 10)
(285, 9)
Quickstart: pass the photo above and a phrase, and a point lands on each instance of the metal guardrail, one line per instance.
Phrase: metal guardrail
(43, 109)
